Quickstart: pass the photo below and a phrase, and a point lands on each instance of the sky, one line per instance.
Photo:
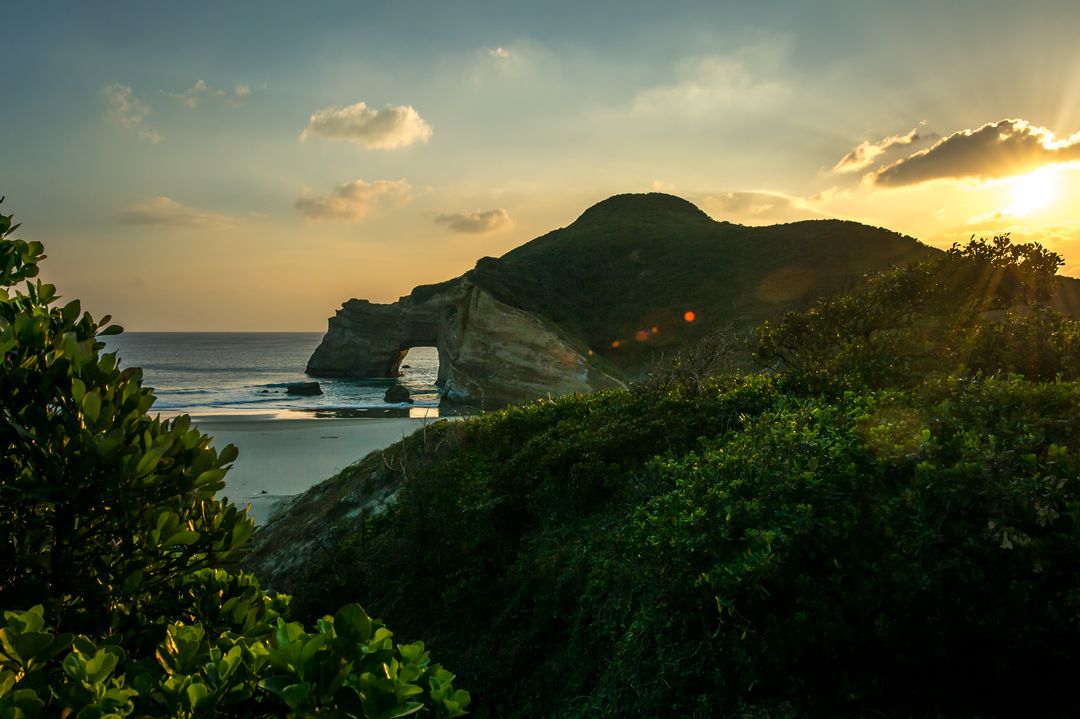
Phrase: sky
(248, 166)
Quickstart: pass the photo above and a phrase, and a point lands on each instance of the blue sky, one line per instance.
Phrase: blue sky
(210, 165)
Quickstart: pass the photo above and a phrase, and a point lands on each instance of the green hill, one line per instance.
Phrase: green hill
(638, 262)
(884, 524)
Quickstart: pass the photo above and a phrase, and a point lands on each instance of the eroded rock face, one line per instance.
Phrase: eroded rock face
(497, 354)
(490, 353)
(369, 340)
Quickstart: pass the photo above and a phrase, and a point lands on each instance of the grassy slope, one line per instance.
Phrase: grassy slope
(568, 558)
(663, 553)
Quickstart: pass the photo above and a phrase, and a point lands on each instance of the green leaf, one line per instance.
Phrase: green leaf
(295, 694)
(7, 681)
(402, 710)
(32, 620)
(30, 645)
(70, 312)
(183, 537)
(210, 477)
(101, 666)
(149, 460)
(91, 406)
(352, 622)
(197, 694)
(276, 684)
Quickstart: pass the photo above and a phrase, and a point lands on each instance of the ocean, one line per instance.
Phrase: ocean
(204, 373)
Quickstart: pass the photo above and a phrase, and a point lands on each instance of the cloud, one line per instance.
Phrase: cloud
(866, 153)
(998, 149)
(710, 84)
(476, 222)
(353, 200)
(993, 217)
(758, 207)
(393, 127)
(201, 91)
(129, 111)
(168, 212)
(500, 53)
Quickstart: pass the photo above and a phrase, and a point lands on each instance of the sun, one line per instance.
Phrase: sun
(1034, 191)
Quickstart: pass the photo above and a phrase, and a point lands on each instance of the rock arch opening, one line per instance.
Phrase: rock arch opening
(419, 370)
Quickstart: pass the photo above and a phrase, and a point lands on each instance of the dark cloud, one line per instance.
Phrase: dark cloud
(476, 222)
(999, 149)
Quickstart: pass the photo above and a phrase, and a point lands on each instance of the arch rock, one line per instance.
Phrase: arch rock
(490, 353)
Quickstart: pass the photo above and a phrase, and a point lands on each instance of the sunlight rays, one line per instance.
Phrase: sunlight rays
(1034, 191)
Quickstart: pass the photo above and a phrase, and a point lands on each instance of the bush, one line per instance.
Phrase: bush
(887, 525)
(928, 317)
(113, 545)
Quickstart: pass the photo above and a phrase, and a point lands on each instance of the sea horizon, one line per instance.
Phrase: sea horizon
(213, 373)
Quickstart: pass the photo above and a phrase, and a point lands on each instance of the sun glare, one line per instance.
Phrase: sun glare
(1034, 191)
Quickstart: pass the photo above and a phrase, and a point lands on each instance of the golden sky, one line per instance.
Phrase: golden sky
(250, 166)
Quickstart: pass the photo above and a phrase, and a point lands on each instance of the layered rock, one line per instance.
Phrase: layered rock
(490, 353)
(369, 340)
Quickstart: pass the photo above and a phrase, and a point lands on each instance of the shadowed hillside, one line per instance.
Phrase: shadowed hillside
(638, 262)
(882, 524)
(597, 303)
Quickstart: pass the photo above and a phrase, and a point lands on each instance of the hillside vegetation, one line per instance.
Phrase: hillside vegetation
(636, 262)
(883, 521)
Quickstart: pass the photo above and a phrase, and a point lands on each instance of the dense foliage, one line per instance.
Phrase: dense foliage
(887, 522)
(112, 546)
(980, 308)
(635, 262)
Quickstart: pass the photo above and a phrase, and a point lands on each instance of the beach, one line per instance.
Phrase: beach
(283, 457)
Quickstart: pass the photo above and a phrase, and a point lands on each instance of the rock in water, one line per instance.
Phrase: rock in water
(304, 389)
(397, 394)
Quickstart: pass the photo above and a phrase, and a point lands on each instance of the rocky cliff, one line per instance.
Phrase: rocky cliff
(595, 303)
(490, 353)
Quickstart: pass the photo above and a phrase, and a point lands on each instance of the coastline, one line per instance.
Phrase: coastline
(282, 454)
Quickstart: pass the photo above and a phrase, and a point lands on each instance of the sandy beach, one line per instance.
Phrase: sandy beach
(283, 457)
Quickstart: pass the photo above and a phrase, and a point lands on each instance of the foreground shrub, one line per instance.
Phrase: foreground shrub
(886, 525)
(112, 544)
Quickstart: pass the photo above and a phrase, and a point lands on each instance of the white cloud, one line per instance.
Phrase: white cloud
(710, 84)
(476, 222)
(129, 111)
(866, 153)
(391, 128)
(994, 216)
(758, 207)
(500, 53)
(166, 211)
(241, 93)
(201, 91)
(353, 201)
